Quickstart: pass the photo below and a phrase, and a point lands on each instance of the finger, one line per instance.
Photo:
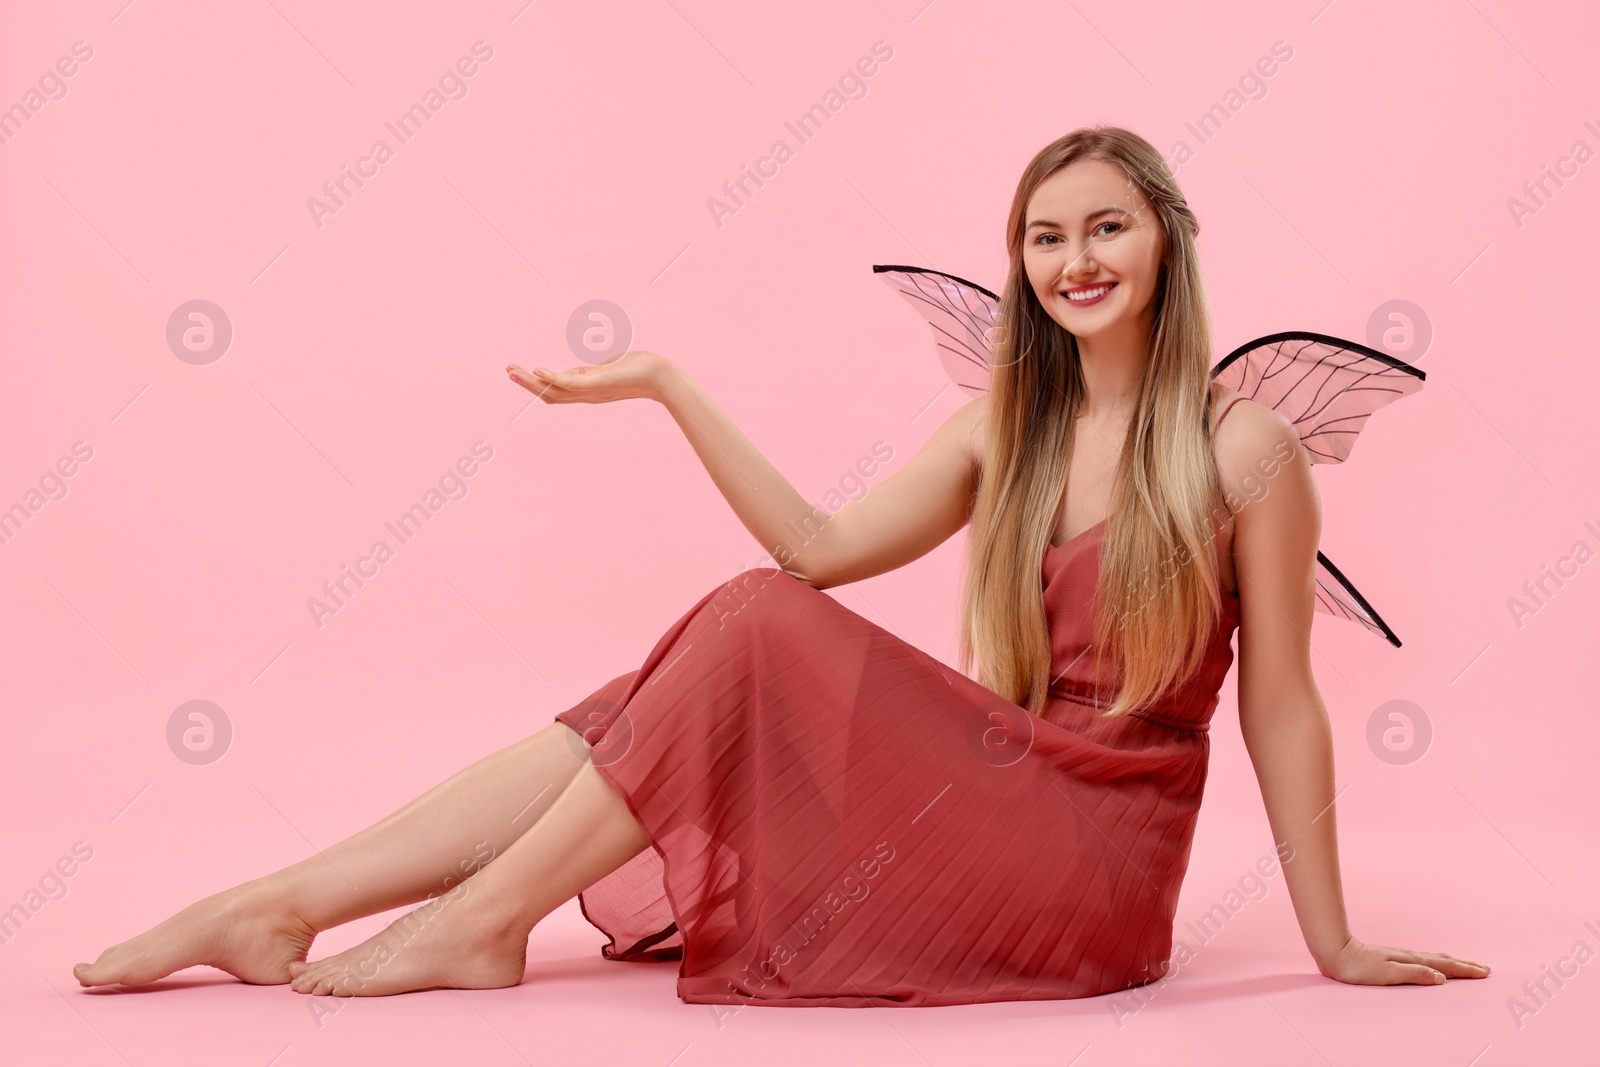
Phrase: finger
(519, 371)
(579, 376)
(577, 385)
(1454, 968)
(550, 394)
(556, 393)
(1416, 974)
(523, 378)
(537, 381)
(556, 377)
(542, 390)
(1439, 961)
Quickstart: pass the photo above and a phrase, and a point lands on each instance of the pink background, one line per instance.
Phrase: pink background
(367, 357)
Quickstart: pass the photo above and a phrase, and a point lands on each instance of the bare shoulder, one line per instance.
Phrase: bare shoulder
(1252, 443)
(1268, 486)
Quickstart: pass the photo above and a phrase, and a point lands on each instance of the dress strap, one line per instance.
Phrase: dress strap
(1227, 409)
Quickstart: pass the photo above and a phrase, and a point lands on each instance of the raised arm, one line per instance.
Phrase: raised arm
(903, 517)
(1281, 713)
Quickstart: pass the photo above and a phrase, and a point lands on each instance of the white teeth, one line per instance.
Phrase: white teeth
(1089, 294)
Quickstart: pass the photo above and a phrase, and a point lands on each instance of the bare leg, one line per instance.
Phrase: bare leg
(476, 936)
(255, 930)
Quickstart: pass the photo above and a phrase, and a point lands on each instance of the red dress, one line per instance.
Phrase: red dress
(838, 818)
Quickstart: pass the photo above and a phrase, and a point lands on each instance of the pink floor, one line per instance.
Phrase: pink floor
(1423, 869)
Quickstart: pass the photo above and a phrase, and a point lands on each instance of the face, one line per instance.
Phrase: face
(1090, 228)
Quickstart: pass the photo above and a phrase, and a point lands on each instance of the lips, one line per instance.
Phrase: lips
(1083, 295)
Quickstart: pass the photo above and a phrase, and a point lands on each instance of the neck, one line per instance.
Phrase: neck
(1113, 362)
(1113, 366)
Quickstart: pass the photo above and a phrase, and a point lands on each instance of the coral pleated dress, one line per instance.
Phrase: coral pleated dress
(838, 818)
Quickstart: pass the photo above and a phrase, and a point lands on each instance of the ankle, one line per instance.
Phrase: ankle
(494, 916)
(278, 894)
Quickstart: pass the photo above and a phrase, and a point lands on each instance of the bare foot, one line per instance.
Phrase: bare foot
(447, 943)
(245, 931)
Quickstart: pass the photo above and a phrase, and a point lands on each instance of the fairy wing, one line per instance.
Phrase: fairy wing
(1336, 596)
(1326, 386)
(960, 314)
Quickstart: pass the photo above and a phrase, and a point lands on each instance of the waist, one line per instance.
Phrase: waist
(1138, 713)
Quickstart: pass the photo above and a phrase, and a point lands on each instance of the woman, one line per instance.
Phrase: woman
(808, 810)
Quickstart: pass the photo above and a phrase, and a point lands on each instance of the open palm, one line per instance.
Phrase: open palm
(628, 376)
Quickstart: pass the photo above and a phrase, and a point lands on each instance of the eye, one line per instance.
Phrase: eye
(1040, 239)
(1118, 226)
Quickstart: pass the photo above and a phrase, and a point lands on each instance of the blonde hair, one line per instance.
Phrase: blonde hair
(1157, 598)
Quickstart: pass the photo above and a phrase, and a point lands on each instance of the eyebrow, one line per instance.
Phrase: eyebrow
(1087, 218)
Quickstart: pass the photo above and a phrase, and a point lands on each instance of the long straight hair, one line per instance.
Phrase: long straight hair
(1157, 598)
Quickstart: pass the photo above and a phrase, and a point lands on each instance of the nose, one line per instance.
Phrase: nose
(1080, 266)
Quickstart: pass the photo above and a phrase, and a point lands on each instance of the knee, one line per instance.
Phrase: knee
(748, 584)
(756, 593)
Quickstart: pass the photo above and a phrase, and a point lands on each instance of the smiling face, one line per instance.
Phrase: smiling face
(1093, 249)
